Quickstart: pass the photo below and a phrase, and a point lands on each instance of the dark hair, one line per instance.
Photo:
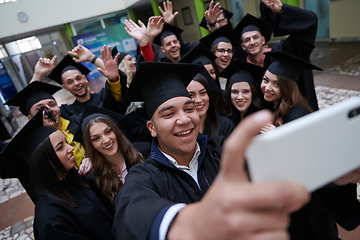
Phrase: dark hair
(232, 111)
(211, 121)
(290, 96)
(106, 177)
(46, 170)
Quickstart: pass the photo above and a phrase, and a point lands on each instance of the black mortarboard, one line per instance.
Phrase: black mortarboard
(199, 54)
(288, 65)
(168, 30)
(228, 15)
(252, 23)
(31, 94)
(241, 71)
(223, 34)
(27, 139)
(91, 112)
(67, 63)
(156, 82)
(114, 51)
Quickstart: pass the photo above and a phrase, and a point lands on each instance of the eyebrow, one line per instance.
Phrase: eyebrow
(59, 143)
(171, 107)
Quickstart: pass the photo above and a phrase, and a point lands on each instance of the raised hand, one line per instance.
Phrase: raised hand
(274, 5)
(167, 13)
(138, 32)
(234, 208)
(110, 65)
(81, 54)
(43, 67)
(154, 27)
(213, 12)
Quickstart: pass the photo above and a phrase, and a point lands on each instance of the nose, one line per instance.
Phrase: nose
(105, 139)
(183, 118)
(197, 98)
(240, 96)
(70, 148)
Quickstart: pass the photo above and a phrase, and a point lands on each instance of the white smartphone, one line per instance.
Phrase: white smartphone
(313, 150)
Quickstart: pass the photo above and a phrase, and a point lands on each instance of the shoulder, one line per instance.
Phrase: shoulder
(296, 112)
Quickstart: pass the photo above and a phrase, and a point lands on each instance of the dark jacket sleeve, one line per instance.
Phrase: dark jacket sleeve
(138, 203)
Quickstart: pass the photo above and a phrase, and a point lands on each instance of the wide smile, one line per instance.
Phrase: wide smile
(71, 158)
(199, 107)
(109, 146)
(184, 133)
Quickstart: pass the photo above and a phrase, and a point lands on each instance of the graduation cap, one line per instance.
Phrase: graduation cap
(168, 30)
(251, 23)
(66, 64)
(27, 139)
(114, 51)
(228, 15)
(223, 34)
(199, 54)
(241, 71)
(215, 90)
(288, 65)
(91, 112)
(157, 82)
(31, 94)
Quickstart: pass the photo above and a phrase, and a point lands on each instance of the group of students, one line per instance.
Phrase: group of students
(158, 153)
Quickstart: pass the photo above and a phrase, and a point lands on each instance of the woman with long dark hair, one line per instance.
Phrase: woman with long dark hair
(280, 87)
(66, 207)
(242, 89)
(211, 123)
(110, 153)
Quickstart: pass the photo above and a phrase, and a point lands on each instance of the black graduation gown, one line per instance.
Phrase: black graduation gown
(301, 25)
(156, 184)
(296, 112)
(91, 220)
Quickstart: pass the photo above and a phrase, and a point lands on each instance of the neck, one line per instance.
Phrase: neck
(84, 98)
(242, 114)
(257, 59)
(202, 123)
(182, 158)
(116, 161)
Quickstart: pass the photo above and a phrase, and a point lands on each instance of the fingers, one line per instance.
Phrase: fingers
(53, 59)
(280, 196)
(232, 161)
(141, 24)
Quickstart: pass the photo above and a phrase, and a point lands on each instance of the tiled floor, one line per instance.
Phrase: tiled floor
(339, 80)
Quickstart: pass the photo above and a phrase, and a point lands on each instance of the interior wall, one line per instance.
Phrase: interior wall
(191, 31)
(44, 14)
(344, 19)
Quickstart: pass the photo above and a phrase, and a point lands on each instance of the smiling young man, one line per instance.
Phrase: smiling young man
(165, 195)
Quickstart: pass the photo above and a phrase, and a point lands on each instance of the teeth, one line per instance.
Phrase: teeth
(198, 106)
(183, 133)
(109, 146)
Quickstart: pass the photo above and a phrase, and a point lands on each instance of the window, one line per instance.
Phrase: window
(28, 44)
(3, 53)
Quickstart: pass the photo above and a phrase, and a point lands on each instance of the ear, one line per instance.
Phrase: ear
(29, 117)
(162, 49)
(242, 46)
(64, 87)
(263, 40)
(150, 125)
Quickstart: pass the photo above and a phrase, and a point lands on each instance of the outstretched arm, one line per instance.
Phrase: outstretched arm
(110, 70)
(167, 13)
(43, 67)
(231, 201)
(82, 54)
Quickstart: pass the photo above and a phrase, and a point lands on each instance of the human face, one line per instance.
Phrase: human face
(104, 139)
(211, 70)
(51, 104)
(241, 96)
(75, 82)
(171, 48)
(175, 123)
(221, 21)
(253, 42)
(200, 97)
(270, 88)
(130, 63)
(63, 150)
(224, 53)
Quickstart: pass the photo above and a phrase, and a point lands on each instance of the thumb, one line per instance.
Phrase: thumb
(233, 155)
